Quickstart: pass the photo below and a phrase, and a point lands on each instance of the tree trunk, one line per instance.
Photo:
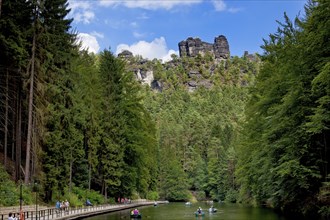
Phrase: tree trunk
(30, 107)
(35, 160)
(18, 133)
(6, 120)
(105, 192)
(89, 176)
(325, 156)
(71, 164)
(13, 149)
(102, 187)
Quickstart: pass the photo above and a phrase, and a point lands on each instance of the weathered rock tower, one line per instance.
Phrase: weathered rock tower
(194, 46)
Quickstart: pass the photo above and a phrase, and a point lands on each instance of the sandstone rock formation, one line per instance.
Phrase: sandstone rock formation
(251, 57)
(125, 54)
(191, 47)
(194, 46)
(145, 77)
(196, 80)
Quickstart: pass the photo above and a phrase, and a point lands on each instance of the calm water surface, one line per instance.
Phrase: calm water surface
(179, 211)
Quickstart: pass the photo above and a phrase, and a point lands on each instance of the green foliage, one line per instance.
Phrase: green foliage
(135, 195)
(199, 128)
(78, 196)
(84, 194)
(200, 195)
(127, 140)
(72, 198)
(98, 131)
(10, 192)
(231, 196)
(282, 156)
(153, 195)
(173, 181)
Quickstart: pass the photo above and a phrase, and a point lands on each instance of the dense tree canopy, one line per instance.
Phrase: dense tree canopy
(284, 157)
(83, 126)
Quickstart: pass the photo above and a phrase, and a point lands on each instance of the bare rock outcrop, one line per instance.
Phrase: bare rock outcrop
(194, 46)
(125, 54)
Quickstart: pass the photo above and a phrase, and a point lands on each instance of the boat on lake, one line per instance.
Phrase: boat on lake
(212, 210)
(197, 214)
(135, 216)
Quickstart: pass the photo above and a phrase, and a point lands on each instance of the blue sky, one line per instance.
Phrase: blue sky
(153, 28)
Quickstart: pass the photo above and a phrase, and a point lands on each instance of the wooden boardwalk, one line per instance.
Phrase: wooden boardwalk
(77, 212)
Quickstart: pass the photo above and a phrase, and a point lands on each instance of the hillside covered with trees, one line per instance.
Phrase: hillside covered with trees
(82, 126)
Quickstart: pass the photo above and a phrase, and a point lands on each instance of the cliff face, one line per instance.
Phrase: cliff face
(198, 75)
(194, 46)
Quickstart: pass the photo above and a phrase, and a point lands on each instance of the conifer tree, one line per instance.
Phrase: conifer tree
(284, 133)
(14, 24)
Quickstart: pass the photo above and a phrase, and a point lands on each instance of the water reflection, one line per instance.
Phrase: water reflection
(180, 211)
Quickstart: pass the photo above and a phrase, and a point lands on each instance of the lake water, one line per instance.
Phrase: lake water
(179, 211)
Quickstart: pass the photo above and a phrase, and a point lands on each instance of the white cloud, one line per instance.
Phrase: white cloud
(138, 35)
(150, 50)
(88, 42)
(168, 57)
(75, 5)
(143, 16)
(85, 17)
(116, 24)
(149, 4)
(220, 5)
(134, 24)
(234, 10)
(97, 34)
(81, 11)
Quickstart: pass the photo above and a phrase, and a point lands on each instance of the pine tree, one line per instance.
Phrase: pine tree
(14, 23)
(53, 117)
(283, 133)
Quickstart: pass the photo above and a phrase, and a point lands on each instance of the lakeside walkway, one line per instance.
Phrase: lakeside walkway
(78, 212)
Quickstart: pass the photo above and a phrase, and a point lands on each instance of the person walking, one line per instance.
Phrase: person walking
(67, 205)
(11, 217)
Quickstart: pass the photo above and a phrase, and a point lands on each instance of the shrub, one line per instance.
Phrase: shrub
(135, 196)
(231, 196)
(200, 195)
(152, 195)
(79, 196)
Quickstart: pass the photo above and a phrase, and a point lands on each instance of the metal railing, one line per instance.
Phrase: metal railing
(53, 213)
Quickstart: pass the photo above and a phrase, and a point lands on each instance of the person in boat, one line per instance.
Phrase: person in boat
(199, 210)
(212, 209)
(136, 212)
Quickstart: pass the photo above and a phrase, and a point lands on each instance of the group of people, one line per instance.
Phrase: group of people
(64, 205)
(124, 200)
(11, 216)
(212, 209)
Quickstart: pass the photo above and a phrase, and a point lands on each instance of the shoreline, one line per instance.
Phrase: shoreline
(76, 212)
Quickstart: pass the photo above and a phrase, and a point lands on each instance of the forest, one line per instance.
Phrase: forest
(79, 125)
